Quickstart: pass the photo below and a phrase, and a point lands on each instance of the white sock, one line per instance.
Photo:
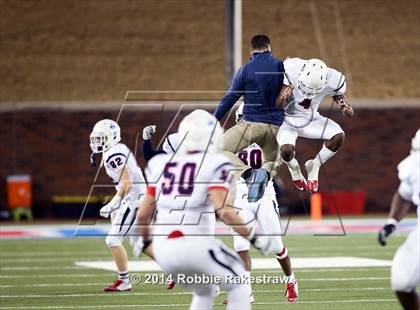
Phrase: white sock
(124, 276)
(323, 155)
(291, 278)
(292, 164)
(248, 282)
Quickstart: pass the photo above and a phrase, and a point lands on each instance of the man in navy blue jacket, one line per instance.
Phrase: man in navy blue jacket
(259, 81)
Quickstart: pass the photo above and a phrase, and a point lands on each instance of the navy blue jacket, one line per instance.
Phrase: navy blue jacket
(149, 151)
(260, 81)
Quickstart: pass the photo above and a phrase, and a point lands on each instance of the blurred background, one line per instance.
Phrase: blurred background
(67, 64)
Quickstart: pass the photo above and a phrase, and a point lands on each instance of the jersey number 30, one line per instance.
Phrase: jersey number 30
(185, 182)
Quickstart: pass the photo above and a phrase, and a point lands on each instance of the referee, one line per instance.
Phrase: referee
(259, 81)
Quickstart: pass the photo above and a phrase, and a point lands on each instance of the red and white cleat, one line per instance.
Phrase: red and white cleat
(312, 186)
(298, 178)
(313, 170)
(300, 184)
(170, 285)
(291, 292)
(119, 286)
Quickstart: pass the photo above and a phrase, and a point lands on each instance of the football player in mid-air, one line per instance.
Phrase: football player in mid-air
(405, 270)
(265, 213)
(187, 189)
(305, 84)
(121, 166)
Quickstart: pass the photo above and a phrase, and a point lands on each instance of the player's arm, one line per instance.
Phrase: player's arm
(399, 208)
(235, 92)
(148, 151)
(344, 106)
(284, 94)
(125, 185)
(145, 214)
(223, 206)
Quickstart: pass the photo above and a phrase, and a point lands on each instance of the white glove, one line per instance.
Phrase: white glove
(148, 132)
(106, 210)
(266, 244)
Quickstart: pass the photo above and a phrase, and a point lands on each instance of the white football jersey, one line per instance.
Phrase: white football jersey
(181, 183)
(409, 175)
(118, 157)
(252, 156)
(297, 105)
(171, 143)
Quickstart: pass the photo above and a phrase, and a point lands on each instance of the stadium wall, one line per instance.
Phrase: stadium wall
(52, 145)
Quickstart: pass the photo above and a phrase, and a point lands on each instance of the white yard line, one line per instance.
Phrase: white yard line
(181, 293)
(87, 275)
(49, 253)
(186, 305)
(41, 276)
(27, 268)
(305, 249)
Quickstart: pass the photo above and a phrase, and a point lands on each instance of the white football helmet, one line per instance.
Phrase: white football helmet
(239, 112)
(105, 134)
(200, 131)
(312, 78)
(415, 142)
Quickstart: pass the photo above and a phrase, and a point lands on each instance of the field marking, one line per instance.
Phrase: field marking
(186, 305)
(87, 275)
(257, 263)
(66, 275)
(29, 268)
(174, 293)
(49, 253)
(40, 260)
(100, 252)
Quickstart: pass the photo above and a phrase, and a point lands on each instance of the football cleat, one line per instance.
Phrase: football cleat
(291, 292)
(119, 286)
(298, 179)
(313, 171)
(170, 285)
(256, 184)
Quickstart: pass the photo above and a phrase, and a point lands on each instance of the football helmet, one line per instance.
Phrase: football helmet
(200, 131)
(105, 134)
(312, 78)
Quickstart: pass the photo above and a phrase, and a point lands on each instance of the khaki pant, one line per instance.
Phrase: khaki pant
(243, 135)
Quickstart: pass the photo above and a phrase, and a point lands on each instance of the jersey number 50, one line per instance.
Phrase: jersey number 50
(185, 182)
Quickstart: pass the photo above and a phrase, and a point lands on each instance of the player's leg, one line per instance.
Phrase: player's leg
(226, 264)
(236, 139)
(286, 138)
(122, 222)
(203, 255)
(202, 295)
(326, 129)
(405, 271)
(263, 135)
(269, 221)
(242, 245)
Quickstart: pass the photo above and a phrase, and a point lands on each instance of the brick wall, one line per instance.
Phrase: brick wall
(53, 147)
(97, 50)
